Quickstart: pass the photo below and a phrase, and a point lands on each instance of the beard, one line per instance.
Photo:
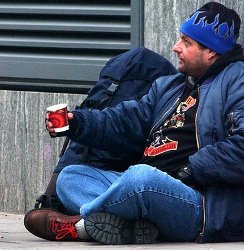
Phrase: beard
(195, 68)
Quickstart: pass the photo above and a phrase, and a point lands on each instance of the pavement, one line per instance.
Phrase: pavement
(13, 235)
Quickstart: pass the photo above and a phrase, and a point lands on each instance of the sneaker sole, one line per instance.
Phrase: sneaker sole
(114, 230)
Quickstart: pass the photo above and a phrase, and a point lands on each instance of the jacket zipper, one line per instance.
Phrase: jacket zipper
(198, 146)
(231, 119)
(159, 121)
(200, 237)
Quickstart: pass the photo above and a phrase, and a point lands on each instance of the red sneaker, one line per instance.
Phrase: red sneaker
(51, 225)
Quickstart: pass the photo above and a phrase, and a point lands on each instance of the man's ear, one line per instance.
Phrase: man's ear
(212, 56)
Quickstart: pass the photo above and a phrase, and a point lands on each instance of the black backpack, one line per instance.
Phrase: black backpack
(128, 76)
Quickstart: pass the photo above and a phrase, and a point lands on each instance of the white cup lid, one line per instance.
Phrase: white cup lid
(56, 107)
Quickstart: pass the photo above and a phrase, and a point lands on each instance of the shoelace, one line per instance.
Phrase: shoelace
(63, 229)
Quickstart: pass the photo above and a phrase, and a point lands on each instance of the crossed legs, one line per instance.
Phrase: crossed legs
(140, 192)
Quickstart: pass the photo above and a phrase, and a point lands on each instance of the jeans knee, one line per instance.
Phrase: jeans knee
(65, 173)
(142, 170)
(68, 174)
(142, 175)
(62, 177)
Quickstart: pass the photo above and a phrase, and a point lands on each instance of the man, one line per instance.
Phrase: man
(189, 183)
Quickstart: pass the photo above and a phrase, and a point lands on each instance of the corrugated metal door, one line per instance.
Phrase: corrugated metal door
(61, 46)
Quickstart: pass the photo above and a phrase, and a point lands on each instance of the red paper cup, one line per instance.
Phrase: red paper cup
(58, 116)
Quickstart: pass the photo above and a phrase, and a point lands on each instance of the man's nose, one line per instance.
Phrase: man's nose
(176, 48)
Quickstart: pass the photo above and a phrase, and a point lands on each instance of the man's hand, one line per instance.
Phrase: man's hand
(49, 125)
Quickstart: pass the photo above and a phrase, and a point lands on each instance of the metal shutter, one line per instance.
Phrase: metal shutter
(61, 46)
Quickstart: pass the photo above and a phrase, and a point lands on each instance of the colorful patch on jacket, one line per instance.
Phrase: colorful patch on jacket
(167, 145)
(178, 118)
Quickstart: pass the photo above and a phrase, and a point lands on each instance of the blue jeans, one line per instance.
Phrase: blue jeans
(139, 192)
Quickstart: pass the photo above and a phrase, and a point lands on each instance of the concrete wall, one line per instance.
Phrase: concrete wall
(27, 154)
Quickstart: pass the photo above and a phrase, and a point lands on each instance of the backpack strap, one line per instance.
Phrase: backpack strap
(109, 93)
(84, 154)
(97, 104)
(92, 104)
(112, 88)
(65, 145)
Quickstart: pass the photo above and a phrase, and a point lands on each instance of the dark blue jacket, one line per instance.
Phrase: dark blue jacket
(217, 167)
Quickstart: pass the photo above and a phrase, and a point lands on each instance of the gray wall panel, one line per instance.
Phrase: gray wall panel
(27, 154)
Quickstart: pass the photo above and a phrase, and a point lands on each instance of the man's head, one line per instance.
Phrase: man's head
(215, 28)
(213, 25)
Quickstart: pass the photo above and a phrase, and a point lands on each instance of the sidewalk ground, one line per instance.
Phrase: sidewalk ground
(13, 235)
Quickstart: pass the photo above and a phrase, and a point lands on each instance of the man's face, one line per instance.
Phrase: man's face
(192, 58)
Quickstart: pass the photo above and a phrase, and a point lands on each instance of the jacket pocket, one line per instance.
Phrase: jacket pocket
(235, 122)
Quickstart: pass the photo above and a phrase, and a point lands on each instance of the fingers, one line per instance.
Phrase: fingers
(49, 125)
(70, 116)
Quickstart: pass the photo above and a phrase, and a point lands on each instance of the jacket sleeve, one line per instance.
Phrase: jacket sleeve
(222, 162)
(122, 128)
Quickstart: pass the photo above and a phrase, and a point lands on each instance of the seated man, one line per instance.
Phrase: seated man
(188, 185)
